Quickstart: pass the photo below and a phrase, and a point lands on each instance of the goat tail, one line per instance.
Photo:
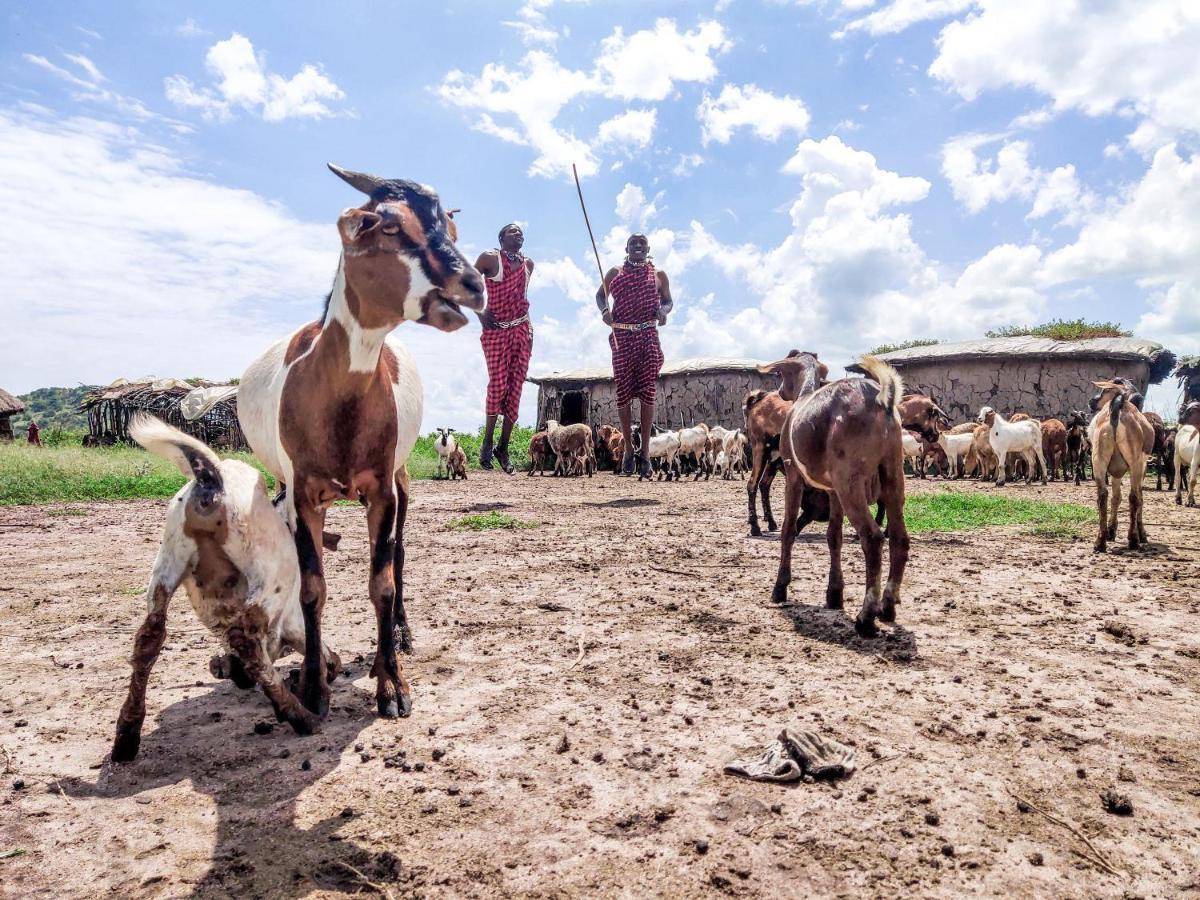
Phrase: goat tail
(1114, 411)
(891, 388)
(193, 457)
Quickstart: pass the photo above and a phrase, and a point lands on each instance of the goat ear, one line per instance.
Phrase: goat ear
(773, 368)
(354, 224)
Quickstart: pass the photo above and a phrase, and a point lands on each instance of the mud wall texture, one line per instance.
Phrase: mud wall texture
(1041, 388)
(715, 399)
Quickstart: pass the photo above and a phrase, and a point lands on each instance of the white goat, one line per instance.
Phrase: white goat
(693, 442)
(913, 451)
(665, 447)
(1005, 437)
(446, 445)
(234, 554)
(1187, 452)
(716, 443)
(955, 446)
(735, 453)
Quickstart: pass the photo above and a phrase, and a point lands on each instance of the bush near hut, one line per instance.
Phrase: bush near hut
(1063, 330)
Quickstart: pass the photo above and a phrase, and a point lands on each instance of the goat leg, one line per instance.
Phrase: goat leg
(146, 647)
(835, 587)
(793, 489)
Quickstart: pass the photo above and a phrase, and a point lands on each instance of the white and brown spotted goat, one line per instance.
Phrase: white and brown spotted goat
(333, 410)
(233, 553)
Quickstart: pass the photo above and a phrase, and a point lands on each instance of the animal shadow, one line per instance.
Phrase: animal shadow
(255, 781)
(624, 503)
(836, 626)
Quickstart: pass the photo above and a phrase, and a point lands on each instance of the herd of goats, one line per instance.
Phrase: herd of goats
(333, 409)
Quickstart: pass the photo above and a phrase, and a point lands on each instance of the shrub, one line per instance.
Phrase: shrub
(1063, 330)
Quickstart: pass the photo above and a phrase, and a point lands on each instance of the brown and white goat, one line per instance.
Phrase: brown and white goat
(845, 438)
(573, 446)
(1121, 441)
(232, 551)
(1186, 452)
(334, 409)
(456, 463)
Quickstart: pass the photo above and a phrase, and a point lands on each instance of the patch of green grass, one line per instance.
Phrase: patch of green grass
(73, 474)
(1063, 330)
(959, 511)
(489, 520)
(423, 461)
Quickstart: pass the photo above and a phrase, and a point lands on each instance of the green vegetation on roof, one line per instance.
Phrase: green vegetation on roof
(1063, 330)
(903, 345)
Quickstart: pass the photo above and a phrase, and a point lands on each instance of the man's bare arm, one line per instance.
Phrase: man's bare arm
(665, 303)
(488, 265)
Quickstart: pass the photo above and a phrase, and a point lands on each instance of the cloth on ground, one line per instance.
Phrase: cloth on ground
(794, 755)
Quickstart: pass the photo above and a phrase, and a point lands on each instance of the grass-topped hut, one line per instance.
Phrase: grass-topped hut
(1187, 373)
(1037, 375)
(206, 411)
(708, 390)
(9, 407)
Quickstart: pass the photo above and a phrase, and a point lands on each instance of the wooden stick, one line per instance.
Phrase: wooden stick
(599, 268)
(382, 890)
(1099, 858)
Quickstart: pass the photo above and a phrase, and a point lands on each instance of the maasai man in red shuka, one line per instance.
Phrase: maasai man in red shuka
(641, 298)
(507, 338)
(33, 434)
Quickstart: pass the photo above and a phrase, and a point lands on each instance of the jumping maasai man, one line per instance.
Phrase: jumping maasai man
(641, 298)
(507, 338)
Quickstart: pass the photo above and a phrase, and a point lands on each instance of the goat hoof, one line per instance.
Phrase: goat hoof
(1099, 547)
(833, 600)
(865, 628)
(755, 531)
(779, 593)
(125, 747)
(771, 526)
(333, 667)
(888, 614)
(394, 707)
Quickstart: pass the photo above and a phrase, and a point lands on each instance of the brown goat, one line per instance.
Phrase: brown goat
(1121, 442)
(457, 464)
(1054, 446)
(539, 452)
(1163, 463)
(764, 412)
(845, 438)
(1078, 448)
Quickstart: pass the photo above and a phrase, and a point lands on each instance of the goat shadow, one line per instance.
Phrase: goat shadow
(624, 502)
(258, 850)
(836, 626)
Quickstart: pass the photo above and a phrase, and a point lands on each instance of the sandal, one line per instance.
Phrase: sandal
(627, 463)
(644, 469)
(502, 458)
(485, 456)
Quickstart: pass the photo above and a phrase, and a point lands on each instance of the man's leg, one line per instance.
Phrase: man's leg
(493, 354)
(647, 424)
(520, 349)
(623, 414)
(485, 449)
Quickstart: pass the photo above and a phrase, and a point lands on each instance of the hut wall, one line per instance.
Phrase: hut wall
(715, 398)
(1042, 388)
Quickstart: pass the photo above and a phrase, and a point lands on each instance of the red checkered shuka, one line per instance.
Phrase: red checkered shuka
(507, 350)
(636, 355)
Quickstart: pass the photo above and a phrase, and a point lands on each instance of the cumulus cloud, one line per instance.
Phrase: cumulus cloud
(1127, 56)
(522, 104)
(630, 130)
(766, 115)
(633, 209)
(242, 81)
(978, 181)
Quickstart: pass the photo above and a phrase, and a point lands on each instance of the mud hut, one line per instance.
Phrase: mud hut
(689, 391)
(207, 411)
(9, 407)
(1040, 376)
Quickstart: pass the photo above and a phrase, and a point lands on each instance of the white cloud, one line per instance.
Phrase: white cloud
(243, 82)
(1173, 317)
(42, 63)
(190, 28)
(1061, 193)
(977, 182)
(632, 129)
(1099, 58)
(87, 65)
(767, 115)
(522, 104)
(633, 209)
(901, 14)
(688, 163)
(89, 86)
(647, 64)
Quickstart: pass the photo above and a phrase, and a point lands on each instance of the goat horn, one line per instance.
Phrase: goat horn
(368, 184)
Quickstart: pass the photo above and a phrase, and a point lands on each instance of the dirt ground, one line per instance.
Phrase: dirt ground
(525, 770)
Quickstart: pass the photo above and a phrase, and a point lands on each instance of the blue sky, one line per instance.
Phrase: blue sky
(831, 175)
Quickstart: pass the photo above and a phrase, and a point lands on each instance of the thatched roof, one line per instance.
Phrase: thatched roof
(207, 411)
(9, 404)
(711, 365)
(1160, 360)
